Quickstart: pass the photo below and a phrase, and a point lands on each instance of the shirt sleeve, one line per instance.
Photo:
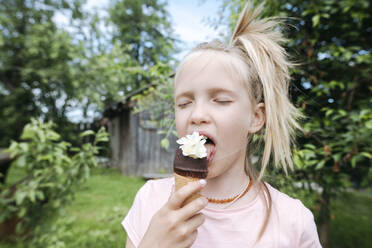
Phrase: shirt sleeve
(309, 236)
(133, 221)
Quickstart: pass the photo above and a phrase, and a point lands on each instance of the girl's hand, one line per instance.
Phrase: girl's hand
(174, 226)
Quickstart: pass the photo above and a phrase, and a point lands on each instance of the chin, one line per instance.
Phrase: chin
(211, 171)
(214, 170)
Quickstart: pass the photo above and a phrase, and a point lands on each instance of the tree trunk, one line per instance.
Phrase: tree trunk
(5, 162)
(324, 218)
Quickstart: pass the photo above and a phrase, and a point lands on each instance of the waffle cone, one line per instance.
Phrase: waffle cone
(181, 181)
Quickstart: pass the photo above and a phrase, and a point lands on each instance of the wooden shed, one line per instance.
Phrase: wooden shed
(135, 143)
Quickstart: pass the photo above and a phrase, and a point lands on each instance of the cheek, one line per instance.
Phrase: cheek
(235, 132)
(234, 128)
(180, 124)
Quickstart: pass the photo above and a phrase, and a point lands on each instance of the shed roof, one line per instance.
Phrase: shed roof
(118, 107)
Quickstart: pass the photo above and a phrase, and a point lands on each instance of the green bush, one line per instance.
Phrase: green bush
(54, 169)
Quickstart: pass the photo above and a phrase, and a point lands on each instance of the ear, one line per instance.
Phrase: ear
(258, 119)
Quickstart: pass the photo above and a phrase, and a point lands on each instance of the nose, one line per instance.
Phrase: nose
(199, 114)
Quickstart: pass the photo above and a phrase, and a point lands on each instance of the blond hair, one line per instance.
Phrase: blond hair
(256, 42)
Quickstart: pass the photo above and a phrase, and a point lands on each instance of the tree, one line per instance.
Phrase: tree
(144, 27)
(37, 76)
(332, 42)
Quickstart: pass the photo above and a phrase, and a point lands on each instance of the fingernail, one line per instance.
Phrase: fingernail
(203, 182)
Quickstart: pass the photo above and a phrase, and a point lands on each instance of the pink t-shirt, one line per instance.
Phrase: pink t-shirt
(291, 224)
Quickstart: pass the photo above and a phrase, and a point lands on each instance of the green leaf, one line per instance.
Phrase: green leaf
(21, 161)
(336, 157)
(164, 143)
(47, 157)
(315, 20)
(22, 212)
(354, 161)
(59, 169)
(297, 160)
(366, 154)
(364, 112)
(310, 146)
(329, 112)
(20, 196)
(40, 195)
(342, 112)
(102, 136)
(53, 135)
(86, 133)
(75, 149)
(369, 124)
(320, 165)
(28, 133)
(31, 195)
(56, 203)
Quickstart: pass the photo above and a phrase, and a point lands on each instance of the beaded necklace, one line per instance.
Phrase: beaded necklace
(232, 199)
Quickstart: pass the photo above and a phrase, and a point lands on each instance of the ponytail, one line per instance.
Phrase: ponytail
(259, 40)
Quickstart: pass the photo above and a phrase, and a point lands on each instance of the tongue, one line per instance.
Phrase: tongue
(211, 150)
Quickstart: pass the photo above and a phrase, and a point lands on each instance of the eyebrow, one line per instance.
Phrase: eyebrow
(212, 91)
(215, 91)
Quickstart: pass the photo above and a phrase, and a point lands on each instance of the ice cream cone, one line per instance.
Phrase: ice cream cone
(181, 181)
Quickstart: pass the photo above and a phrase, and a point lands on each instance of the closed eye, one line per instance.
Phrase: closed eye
(223, 102)
(182, 105)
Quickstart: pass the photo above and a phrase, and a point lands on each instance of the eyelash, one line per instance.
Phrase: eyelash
(182, 105)
(223, 102)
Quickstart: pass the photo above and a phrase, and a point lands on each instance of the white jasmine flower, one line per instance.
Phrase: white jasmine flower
(193, 145)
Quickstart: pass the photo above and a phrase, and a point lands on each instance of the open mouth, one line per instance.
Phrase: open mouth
(210, 145)
(209, 141)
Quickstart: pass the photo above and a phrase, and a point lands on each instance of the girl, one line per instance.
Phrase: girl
(228, 93)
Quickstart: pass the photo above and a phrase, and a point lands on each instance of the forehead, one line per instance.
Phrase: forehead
(210, 69)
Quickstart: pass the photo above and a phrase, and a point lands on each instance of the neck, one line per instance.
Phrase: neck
(227, 184)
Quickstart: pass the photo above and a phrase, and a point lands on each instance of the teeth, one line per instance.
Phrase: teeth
(208, 140)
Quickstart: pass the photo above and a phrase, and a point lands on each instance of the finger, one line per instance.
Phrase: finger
(190, 239)
(196, 221)
(172, 192)
(192, 208)
(175, 201)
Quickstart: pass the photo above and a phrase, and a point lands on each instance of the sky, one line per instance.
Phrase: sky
(189, 19)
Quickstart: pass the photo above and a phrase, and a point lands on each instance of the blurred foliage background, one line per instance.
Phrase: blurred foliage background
(331, 40)
(48, 71)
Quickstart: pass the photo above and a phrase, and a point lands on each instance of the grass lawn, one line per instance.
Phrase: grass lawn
(351, 224)
(102, 202)
(97, 210)
(100, 206)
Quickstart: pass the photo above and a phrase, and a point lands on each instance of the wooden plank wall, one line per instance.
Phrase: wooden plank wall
(114, 130)
(150, 156)
(135, 146)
